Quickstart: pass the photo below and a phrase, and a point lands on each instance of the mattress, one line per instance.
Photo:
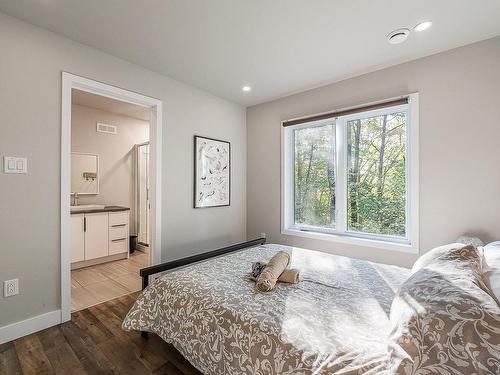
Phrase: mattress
(334, 321)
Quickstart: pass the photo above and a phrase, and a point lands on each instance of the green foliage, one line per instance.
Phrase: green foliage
(314, 173)
(376, 175)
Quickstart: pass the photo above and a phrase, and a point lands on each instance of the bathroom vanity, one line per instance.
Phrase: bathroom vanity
(99, 234)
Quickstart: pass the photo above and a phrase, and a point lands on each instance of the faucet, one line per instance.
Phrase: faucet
(75, 199)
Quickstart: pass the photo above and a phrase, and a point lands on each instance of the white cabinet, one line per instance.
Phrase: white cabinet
(118, 232)
(77, 238)
(97, 236)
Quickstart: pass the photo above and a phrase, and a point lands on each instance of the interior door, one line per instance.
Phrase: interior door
(77, 236)
(96, 235)
(143, 206)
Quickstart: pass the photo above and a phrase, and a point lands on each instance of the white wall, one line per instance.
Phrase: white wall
(116, 154)
(459, 153)
(30, 103)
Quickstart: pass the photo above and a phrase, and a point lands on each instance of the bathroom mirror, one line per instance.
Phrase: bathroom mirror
(84, 173)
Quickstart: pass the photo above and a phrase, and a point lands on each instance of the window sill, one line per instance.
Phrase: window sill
(357, 241)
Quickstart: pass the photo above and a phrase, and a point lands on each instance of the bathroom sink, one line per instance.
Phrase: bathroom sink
(87, 207)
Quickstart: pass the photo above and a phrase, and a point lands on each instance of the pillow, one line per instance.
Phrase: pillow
(442, 251)
(467, 239)
(444, 321)
(492, 254)
(491, 272)
(430, 258)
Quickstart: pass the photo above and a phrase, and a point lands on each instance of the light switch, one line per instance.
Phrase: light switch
(15, 165)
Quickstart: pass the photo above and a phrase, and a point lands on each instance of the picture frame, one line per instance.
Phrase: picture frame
(212, 172)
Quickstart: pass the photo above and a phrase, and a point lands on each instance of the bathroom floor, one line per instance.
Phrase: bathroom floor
(103, 282)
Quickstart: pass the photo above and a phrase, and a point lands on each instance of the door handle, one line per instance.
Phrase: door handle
(118, 225)
(118, 239)
(84, 224)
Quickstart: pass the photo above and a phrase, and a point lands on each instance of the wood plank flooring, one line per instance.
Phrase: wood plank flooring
(93, 343)
(103, 282)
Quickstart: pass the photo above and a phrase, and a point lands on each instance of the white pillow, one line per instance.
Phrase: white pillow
(491, 272)
(492, 254)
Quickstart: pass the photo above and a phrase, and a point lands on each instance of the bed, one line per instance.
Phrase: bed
(335, 321)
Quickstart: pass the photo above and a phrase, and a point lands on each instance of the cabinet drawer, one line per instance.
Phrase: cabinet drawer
(118, 246)
(118, 218)
(117, 232)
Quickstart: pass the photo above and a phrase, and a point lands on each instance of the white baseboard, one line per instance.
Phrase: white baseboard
(142, 248)
(93, 262)
(26, 327)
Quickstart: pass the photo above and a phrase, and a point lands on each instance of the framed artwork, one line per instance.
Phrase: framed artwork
(212, 172)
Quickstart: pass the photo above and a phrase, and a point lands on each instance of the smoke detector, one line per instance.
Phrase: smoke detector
(398, 36)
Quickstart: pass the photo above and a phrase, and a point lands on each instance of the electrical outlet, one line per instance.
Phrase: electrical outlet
(10, 287)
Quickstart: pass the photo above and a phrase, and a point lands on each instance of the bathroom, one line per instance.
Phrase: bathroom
(110, 207)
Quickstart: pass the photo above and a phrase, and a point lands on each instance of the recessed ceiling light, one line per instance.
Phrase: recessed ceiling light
(423, 26)
(246, 88)
(398, 36)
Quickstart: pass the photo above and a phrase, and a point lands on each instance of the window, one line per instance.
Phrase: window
(352, 175)
(314, 175)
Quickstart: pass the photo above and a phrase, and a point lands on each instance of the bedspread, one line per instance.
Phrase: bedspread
(334, 321)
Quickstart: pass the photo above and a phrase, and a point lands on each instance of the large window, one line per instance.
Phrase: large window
(353, 175)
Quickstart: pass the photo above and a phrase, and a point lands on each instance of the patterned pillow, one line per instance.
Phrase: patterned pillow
(438, 257)
(444, 319)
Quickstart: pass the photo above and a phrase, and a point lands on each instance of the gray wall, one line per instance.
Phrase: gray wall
(116, 154)
(459, 152)
(30, 103)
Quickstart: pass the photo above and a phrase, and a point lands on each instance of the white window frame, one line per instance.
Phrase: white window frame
(409, 244)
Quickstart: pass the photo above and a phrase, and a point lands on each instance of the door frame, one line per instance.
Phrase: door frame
(71, 81)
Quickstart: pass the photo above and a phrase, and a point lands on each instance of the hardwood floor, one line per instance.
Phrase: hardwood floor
(103, 282)
(93, 343)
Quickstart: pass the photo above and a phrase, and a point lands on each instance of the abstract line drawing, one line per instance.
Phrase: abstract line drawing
(212, 172)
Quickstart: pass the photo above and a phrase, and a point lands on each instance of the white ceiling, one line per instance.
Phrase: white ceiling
(110, 105)
(276, 46)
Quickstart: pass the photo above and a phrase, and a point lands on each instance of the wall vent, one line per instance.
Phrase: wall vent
(105, 128)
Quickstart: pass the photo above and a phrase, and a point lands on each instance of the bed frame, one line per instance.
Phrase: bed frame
(145, 273)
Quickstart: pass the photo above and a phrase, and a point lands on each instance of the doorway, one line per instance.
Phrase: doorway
(117, 221)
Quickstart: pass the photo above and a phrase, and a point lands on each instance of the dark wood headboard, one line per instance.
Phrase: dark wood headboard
(148, 271)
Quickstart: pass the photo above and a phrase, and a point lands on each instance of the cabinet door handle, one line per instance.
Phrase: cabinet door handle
(84, 224)
(119, 239)
(118, 225)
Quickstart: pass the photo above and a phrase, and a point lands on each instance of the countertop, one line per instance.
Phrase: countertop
(105, 209)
